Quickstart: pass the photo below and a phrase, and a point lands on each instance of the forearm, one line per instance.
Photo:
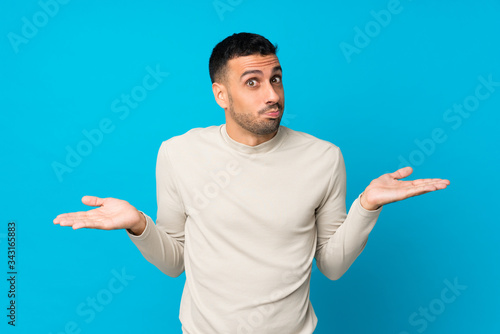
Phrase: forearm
(347, 242)
(158, 247)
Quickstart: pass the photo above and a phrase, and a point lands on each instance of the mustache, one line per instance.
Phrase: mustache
(276, 106)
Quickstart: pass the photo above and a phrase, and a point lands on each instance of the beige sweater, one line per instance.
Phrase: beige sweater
(245, 223)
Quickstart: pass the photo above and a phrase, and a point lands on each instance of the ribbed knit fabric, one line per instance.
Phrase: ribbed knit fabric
(245, 223)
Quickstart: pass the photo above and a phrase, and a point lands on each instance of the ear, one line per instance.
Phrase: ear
(220, 94)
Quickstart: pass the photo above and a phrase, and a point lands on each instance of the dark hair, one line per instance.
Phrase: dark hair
(237, 45)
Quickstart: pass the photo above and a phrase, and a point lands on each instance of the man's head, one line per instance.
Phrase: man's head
(246, 81)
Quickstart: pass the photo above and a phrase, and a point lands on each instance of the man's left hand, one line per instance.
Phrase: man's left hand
(387, 188)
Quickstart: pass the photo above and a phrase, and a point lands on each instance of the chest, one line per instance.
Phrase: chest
(253, 195)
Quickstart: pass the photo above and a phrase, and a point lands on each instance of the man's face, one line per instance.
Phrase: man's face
(255, 93)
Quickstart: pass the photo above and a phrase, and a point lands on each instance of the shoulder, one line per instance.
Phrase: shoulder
(193, 137)
(307, 142)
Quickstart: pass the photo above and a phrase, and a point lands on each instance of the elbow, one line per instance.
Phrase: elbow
(167, 266)
(174, 272)
(335, 267)
(335, 275)
(172, 261)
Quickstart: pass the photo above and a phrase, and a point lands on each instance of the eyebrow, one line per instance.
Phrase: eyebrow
(275, 69)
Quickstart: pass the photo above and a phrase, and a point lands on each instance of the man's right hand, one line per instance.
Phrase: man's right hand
(112, 214)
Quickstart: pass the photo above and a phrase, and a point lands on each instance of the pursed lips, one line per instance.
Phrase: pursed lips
(272, 111)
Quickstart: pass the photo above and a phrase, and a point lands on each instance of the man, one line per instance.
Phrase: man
(244, 207)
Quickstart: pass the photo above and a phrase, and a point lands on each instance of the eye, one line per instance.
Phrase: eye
(276, 79)
(252, 82)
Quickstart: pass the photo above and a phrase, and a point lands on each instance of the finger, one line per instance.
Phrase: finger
(439, 183)
(86, 224)
(401, 173)
(77, 223)
(90, 219)
(429, 181)
(92, 200)
(67, 220)
(425, 188)
(94, 224)
(72, 216)
(61, 218)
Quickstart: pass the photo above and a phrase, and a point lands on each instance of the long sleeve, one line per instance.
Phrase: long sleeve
(163, 244)
(341, 236)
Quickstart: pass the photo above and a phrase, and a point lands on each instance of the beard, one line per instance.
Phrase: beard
(254, 125)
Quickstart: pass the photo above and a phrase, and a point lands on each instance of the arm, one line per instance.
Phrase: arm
(161, 244)
(341, 236)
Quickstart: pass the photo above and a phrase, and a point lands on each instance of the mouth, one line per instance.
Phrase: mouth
(272, 113)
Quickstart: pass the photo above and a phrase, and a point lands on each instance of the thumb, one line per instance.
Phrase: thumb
(402, 173)
(92, 200)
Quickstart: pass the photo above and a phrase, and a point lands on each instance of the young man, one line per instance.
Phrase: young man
(243, 208)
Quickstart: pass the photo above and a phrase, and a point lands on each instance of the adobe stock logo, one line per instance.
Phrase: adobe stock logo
(254, 319)
(430, 312)
(456, 116)
(219, 180)
(40, 19)
(373, 28)
(221, 6)
(97, 303)
(121, 106)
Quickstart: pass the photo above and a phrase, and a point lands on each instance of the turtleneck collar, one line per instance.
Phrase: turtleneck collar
(264, 147)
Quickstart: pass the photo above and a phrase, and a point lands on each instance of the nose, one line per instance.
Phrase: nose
(272, 97)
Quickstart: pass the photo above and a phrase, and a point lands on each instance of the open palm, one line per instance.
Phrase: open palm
(388, 188)
(111, 214)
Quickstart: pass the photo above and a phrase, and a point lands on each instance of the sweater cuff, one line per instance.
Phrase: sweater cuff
(366, 212)
(145, 233)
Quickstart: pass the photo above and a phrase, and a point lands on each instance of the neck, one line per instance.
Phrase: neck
(246, 137)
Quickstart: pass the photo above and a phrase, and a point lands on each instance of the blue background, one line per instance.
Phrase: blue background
(376, 104)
